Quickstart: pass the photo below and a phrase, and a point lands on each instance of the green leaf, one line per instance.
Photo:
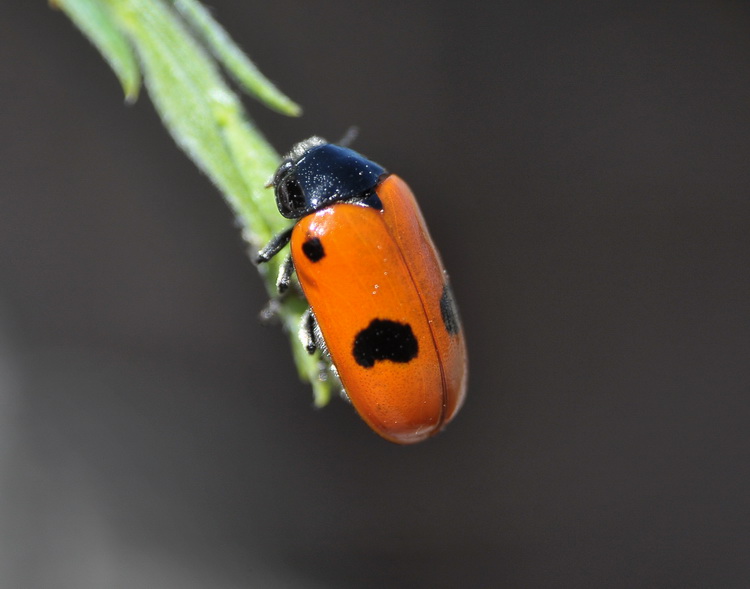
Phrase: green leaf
(194, 103)
(207, 120)
(96, 21)
(232, 57)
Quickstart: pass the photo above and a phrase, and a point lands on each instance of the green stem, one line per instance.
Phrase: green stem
(149, 39)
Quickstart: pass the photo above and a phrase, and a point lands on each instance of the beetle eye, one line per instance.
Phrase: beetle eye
(290, 198)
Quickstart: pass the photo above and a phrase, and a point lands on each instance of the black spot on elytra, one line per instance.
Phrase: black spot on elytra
(313, 249)
(384, 339)
(448, 311)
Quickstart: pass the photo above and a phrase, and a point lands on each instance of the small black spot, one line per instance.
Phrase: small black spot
(449, 312)
(313, 249)
(384, 339)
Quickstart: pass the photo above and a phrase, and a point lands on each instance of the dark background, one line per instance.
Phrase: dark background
(584, 170)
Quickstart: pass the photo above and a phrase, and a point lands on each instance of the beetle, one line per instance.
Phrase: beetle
(381, 305)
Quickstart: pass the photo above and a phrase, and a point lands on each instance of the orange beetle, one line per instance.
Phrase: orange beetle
(380, 303)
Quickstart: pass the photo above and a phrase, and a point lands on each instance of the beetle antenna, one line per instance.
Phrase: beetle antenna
(350, 136)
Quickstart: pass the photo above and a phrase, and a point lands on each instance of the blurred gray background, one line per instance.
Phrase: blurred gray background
(583, 168)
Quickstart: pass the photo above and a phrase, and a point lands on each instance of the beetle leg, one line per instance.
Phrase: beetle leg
(285, 275)
(307, 331)
(310, 334)
(270, 313)
(349, 137)
(274, 246)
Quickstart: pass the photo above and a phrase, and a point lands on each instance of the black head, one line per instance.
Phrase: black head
(316, 174)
